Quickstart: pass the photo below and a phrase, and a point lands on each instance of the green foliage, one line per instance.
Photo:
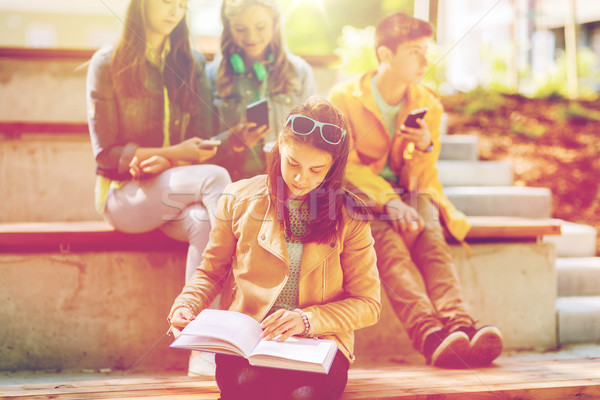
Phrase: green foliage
(314, 26)
(554, 83)
(356, 50)
(500, 79)
(535, 131)
(575, 112)
(390, 6)
(482, 101)
(435, 76)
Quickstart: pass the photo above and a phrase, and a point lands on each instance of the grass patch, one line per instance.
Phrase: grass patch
(481, 101)
(529, 131)
(575, 112)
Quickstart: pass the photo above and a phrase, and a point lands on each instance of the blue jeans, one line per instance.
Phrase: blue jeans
(237, 379)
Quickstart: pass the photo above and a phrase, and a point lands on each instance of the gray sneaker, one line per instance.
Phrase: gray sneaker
(485, 344)
(447, 350)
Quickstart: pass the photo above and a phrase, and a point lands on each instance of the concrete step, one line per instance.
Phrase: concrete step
(575, 240)
(578, 319)
(459, 147)
(578, 276)
(512, 201)
(475, 173)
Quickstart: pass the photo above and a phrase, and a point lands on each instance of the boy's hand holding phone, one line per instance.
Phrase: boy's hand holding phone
(415, 129)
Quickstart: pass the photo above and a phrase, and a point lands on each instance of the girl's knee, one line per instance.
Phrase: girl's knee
(220, 175)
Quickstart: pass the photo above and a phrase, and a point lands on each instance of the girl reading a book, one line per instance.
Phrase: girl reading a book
(293, 250)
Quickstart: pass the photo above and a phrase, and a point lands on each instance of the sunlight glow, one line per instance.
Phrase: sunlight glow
(318, 3)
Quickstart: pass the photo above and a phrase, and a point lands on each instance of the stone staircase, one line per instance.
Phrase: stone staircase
(484, 188)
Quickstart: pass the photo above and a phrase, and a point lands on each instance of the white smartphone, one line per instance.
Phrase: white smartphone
(206, 143)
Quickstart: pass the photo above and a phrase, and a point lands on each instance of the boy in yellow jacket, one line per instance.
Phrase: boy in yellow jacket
(395, 167)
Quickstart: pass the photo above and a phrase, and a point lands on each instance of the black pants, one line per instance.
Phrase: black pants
(237, 379)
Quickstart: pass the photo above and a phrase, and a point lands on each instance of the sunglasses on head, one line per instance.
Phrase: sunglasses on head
(302, 125)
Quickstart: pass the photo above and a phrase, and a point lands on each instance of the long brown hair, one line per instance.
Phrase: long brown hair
(281, 70)
(328, 201)
(129, 64)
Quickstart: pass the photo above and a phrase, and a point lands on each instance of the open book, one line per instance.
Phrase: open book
(231, 332)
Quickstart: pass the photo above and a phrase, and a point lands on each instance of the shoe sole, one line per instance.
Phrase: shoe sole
(452, 352)
(486, 346)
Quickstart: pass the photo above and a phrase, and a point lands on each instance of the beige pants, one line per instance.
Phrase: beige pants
(419, 276)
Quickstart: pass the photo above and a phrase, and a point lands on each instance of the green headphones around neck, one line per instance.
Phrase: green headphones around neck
(239, 67)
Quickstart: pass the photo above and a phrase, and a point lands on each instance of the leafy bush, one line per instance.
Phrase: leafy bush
(531, 131)
(480, 100)
(575, 112)
(554, 83)
(356, 50)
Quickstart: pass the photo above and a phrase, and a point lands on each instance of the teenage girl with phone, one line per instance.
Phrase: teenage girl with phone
(148, 109)
(253, 65)
(293, 250)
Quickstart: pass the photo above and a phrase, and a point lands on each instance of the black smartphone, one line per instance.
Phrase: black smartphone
(411, 119)
(258, 112)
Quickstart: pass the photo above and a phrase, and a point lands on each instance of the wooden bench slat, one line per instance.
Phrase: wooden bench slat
(99, 233)
(18, 127)
(511, 227)
(80, 233)
(533, 379)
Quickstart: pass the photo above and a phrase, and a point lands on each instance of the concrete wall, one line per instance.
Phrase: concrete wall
(50, 177)
(42, 90)
(54, 90)
(46, 178)
(106, 309)
(89, 310)
(510, 285)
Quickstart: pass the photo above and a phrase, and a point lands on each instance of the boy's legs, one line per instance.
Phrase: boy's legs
(431, 254)
(404, 284)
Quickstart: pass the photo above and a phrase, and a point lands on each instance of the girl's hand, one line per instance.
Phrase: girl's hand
(419, 136)
(190, 150)
(179, 320)
(282, 322)
(134, 168)
(205, 153)
(155, 165)
(247, 134)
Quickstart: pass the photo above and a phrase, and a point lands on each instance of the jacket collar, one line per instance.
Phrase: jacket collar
(271, 238)
(364, 92)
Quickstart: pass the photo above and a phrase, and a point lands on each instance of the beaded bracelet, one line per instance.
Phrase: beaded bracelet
(305, 319)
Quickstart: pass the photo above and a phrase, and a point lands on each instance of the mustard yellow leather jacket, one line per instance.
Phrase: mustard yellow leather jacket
(372, 146)
(247, 256)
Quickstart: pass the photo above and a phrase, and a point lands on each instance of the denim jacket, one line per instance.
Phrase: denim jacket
(232, 109)
(118, 125)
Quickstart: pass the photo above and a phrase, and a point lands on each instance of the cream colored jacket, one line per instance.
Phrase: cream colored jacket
(247, 258)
